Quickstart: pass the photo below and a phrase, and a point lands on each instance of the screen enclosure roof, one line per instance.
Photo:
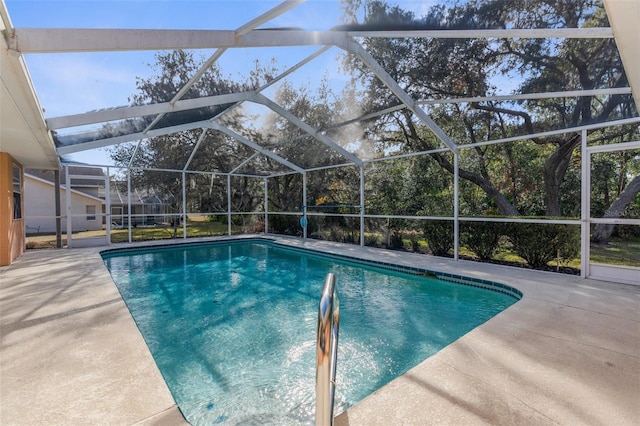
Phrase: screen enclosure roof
(37, 140)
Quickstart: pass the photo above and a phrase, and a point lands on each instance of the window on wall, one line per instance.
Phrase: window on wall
(17, 192)
(91, 212)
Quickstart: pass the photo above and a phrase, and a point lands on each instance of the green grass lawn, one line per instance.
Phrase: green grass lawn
(194, 229)
(623, 252)
(618, 252)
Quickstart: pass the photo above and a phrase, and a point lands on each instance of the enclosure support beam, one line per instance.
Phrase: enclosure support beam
(68, 199)
(129, 203)
(362, 206)
(107, 207)
(265, 17)
(249, 26)
(184, 205)
(127, 112)
(101, 143)
(293, 68)
(524, 96)
(281, 76)
(195, 149)
(266, 205)
(594, 126)
(304, 205)
(355, 48)
(255, 146)
(245, 162)
(67, 40)
(456, 206)
(263, 100)
(585, 193)
(56, 178)
(229, 204)
(135, 152)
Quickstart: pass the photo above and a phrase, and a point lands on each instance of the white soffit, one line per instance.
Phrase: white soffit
(624, 17)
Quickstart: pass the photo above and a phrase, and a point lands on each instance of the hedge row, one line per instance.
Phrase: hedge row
(537, 243)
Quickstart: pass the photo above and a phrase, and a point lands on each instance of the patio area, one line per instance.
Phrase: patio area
(566, 353)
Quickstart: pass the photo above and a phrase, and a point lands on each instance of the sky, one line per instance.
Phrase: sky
(81, 82)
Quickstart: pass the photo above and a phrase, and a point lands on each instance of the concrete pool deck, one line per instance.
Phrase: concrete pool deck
(568, 353)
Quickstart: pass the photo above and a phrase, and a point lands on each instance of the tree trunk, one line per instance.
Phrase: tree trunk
(603, 232)
(555, 169)
(503, 204)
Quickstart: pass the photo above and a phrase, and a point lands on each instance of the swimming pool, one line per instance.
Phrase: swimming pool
(231, 325)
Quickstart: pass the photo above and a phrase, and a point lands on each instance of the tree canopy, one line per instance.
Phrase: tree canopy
(444, 68)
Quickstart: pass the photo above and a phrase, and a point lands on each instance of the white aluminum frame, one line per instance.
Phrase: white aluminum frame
(597, 270)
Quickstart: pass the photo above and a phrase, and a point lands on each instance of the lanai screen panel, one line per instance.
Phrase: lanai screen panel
(206, 194)
(218, 153)
(253, 122)
(260, 165)
(310, 153)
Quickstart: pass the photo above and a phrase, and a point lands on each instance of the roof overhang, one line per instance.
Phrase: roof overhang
(624, 16)
(29, 176)
(23, 131)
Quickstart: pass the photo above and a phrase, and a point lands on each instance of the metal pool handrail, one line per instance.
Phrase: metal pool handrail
(327, 351)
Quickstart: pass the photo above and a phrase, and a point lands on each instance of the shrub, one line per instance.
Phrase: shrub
(281, 224)
(415, 244)
(396, 241)
(439, 236)
(626, 231)
(539, 243)
(349, 237)
(481, 237)
(371, 240)
(335, 234)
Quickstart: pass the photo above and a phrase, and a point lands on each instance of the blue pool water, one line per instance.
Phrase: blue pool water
(232, 326)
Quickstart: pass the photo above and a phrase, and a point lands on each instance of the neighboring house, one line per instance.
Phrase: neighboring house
(39, 201)
(88, 202)
(147, 207)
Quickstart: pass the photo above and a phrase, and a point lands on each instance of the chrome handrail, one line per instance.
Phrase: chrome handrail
(327, 351)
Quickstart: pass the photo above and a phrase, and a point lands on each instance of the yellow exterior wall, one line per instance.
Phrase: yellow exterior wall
(12, 238)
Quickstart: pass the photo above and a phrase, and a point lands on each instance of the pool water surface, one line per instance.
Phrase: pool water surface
(232, 326)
